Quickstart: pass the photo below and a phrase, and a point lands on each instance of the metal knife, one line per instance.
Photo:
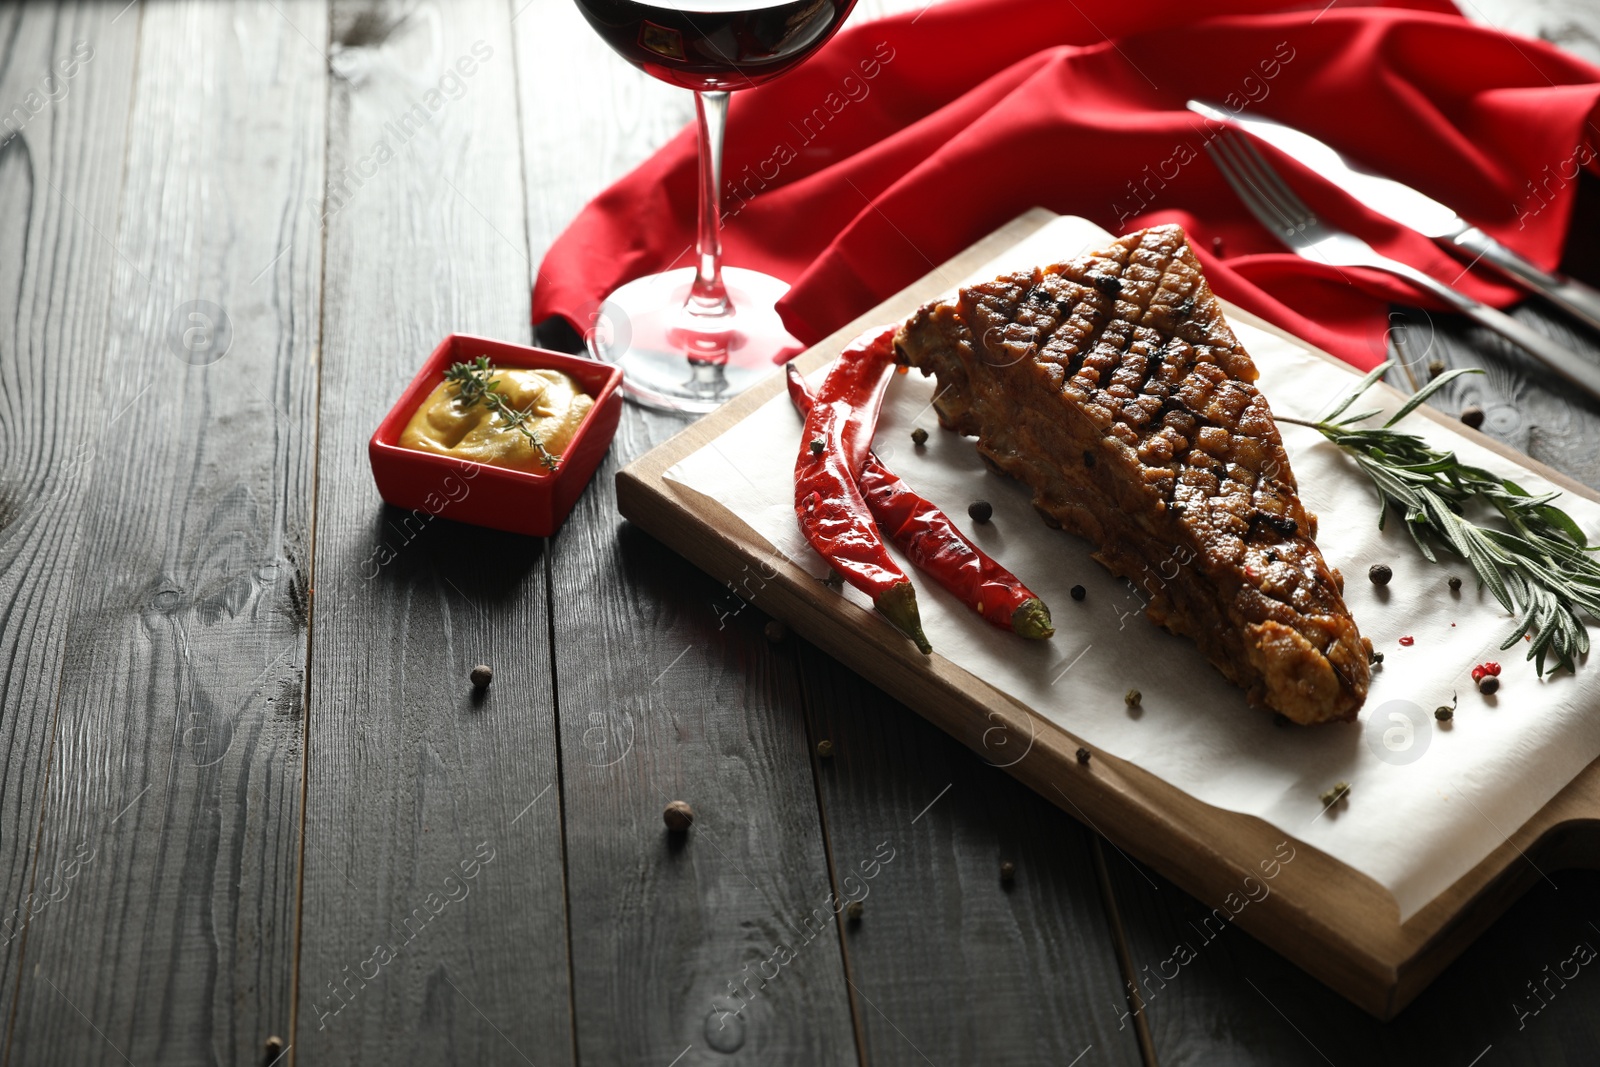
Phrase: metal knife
(1410, 208)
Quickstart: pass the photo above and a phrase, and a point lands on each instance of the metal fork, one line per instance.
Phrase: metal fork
(1286, 215)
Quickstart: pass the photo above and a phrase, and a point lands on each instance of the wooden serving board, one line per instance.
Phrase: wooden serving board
(1337, 924)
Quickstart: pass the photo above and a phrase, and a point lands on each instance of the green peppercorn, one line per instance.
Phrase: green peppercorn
(1132, 698)
(919, 437)
(824, 749)
(1443, 714)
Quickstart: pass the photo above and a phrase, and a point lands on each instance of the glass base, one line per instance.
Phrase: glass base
(672, 361)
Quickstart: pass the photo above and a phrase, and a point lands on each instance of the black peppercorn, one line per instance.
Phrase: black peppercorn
(1488, 684)
(824, 749)
(1079, 592)
(980, 510)
(1472, 415)
(1454, 583)
(1008, 872)
(1083, 755)
(919, 436)
(481, 676)
(1380, 573)
(853, 910)
(817, 446)
(678, 816)
(775, 631)
(1216, 246)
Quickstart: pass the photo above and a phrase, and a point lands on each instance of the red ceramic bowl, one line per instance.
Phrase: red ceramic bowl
(484, 495)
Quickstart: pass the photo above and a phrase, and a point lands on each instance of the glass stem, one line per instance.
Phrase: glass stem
(708, 299)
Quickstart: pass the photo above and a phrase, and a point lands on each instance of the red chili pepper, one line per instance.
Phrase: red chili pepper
(827, 495)
(935, 544)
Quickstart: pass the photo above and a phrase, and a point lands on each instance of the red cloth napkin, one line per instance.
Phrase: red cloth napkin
(905, 140)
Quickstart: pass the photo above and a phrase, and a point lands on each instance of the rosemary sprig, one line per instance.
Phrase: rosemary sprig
(1539, 565)
(474, 385)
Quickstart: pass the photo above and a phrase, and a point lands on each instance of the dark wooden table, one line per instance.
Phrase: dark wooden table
(247, 802)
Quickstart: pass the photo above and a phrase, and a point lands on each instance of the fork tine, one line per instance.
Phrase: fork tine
(1263, 208)
(1286, 196)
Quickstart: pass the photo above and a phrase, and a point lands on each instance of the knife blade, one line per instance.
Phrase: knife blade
(1414, 210)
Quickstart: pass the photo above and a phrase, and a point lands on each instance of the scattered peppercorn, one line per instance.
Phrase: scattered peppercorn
(1339, 791)
(817, 446)
(678, 816)
(1083, 755)
(1443, 714)
(1435, 367)
(1377, 658)
(775, 631)
(1455, 584)
(274, 1048)
(824, 749)
(833, 581)
(919, 437)
(1485, 670)
(980, 510)
(1216, 246)
(853, 910)
(1132, 698)
(1008, 872)
(1380, 573)
(481, 676)
(1488, 684)
(1472, 415)
(1079, 592)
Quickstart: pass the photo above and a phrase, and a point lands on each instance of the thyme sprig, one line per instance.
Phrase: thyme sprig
(1540, 564)
(474, 385)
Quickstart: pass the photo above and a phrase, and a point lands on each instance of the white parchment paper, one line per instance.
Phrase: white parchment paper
(1426, 804)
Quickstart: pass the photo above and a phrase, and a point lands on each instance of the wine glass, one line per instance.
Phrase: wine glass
(691, 338)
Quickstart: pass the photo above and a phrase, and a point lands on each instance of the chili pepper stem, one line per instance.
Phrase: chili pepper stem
(1032, 620)
(899, 606)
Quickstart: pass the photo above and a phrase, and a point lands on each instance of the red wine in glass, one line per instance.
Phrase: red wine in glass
(691, 338)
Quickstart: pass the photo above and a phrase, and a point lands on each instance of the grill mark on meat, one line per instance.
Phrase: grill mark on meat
(1113, 387)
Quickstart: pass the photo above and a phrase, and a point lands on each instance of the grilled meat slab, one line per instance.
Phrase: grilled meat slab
(1112, 386)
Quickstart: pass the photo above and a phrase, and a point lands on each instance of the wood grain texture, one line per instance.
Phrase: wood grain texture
(433, 923)
(60, 185)
(949, 963)
(170, 828)
(1226, 998)
(710, 948)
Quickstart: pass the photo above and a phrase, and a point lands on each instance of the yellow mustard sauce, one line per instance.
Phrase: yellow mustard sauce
(446, 426)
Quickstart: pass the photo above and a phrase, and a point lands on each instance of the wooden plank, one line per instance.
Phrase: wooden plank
(169, 838)
(1334, 922)
(433, 924)
(60, 185)
(949, 963)
(668, 690)
(1225, 997)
